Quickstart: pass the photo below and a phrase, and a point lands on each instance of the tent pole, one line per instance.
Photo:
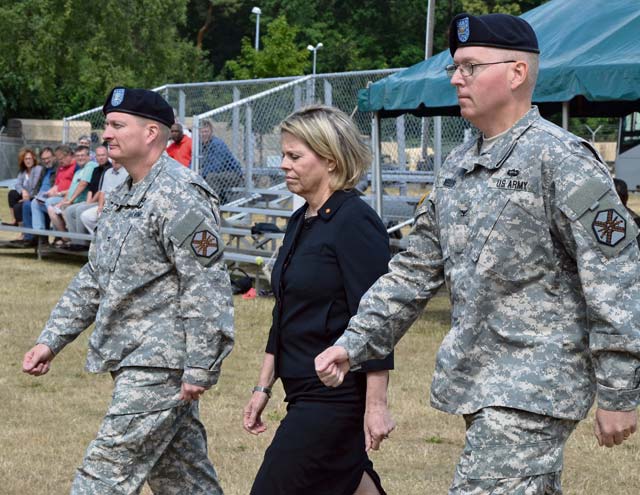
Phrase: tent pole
(377, 168)
(428, 51)
(437, 145)
(565, 115)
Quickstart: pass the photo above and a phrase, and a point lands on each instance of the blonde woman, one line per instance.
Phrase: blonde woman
(334, 249)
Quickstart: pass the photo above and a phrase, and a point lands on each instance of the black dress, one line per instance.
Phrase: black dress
(325, 265)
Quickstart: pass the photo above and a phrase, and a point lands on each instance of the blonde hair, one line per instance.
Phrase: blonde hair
(331, 134)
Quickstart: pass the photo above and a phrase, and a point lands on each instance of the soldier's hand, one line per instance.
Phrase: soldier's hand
(614, 427)
(332, 365)
(190, 392)
(252, 413)
(37, 361)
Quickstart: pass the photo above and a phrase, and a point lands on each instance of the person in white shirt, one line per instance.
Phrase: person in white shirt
(111, 179)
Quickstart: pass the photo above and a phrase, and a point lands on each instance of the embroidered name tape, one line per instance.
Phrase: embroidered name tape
(509, 184)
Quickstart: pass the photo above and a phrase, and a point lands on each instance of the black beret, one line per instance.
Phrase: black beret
(493, 30)
(141, 102)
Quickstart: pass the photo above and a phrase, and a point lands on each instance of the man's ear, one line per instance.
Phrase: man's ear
(152, 131)
(519, 73)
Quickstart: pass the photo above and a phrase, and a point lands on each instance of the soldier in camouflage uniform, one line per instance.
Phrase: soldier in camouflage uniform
(526, 230)
(160, 296)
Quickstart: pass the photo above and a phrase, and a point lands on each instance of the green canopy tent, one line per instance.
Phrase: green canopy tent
(589, 66)
(589, 58)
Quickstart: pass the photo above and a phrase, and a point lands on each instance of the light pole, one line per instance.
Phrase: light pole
(428, 36)
(257, 12)
(314, 49)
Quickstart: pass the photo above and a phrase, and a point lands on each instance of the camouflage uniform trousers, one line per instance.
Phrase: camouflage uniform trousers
(148, 435)
(510, 451)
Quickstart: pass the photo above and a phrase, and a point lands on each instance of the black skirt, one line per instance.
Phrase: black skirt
(319, 447)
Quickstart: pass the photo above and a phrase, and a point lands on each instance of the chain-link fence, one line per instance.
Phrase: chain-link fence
(187, 100)
(10, 148)
(237, 147)
(236, 143)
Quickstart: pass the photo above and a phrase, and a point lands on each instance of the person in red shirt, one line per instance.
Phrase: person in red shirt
(64, 174)
(180, 148)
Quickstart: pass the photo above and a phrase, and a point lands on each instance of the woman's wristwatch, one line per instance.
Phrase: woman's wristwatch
(266, 390)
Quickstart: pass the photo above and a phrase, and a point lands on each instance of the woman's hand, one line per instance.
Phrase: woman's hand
(252, 414)
(378, 423)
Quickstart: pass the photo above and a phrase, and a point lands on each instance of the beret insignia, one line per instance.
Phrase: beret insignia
(117, 97)
(463, 29)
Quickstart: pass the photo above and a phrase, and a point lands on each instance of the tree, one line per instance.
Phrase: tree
(478, 7)
(280, 56)
(65, 55)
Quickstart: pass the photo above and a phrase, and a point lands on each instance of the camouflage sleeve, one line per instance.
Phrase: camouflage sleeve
(193, 242)
(600, 235)
(75, 311)
(393, 303)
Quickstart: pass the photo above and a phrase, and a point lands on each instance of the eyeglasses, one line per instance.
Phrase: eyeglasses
(466, 70)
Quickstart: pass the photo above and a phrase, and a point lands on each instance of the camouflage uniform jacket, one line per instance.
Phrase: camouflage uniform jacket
(155, 283)
(543, 272)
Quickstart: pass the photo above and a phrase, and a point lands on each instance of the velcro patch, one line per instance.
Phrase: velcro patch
(609, 227)
(204, 244)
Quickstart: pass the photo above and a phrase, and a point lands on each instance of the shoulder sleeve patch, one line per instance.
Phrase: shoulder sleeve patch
(205, 244)
(609, 227)
(196, 235)
(597, 207)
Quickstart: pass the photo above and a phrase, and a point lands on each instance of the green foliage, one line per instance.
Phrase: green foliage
(367, 34)
(499, 6)
(62, 56)
(67, 54)
(279, 56)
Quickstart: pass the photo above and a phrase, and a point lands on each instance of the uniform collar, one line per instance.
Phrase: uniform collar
(497, 154)
(133, 195)
(333, 204)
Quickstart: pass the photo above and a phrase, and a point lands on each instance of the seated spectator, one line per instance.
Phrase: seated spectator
(77, 192)
(63, 174)
(220, 168)
(111, 179)
(85, 140)
(180, 147)
(43, 185)
(28, 177)
(72, 212)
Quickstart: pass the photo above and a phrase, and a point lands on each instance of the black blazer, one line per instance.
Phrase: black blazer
(320, 276)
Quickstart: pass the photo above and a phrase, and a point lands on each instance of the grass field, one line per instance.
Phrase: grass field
(47, 422)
